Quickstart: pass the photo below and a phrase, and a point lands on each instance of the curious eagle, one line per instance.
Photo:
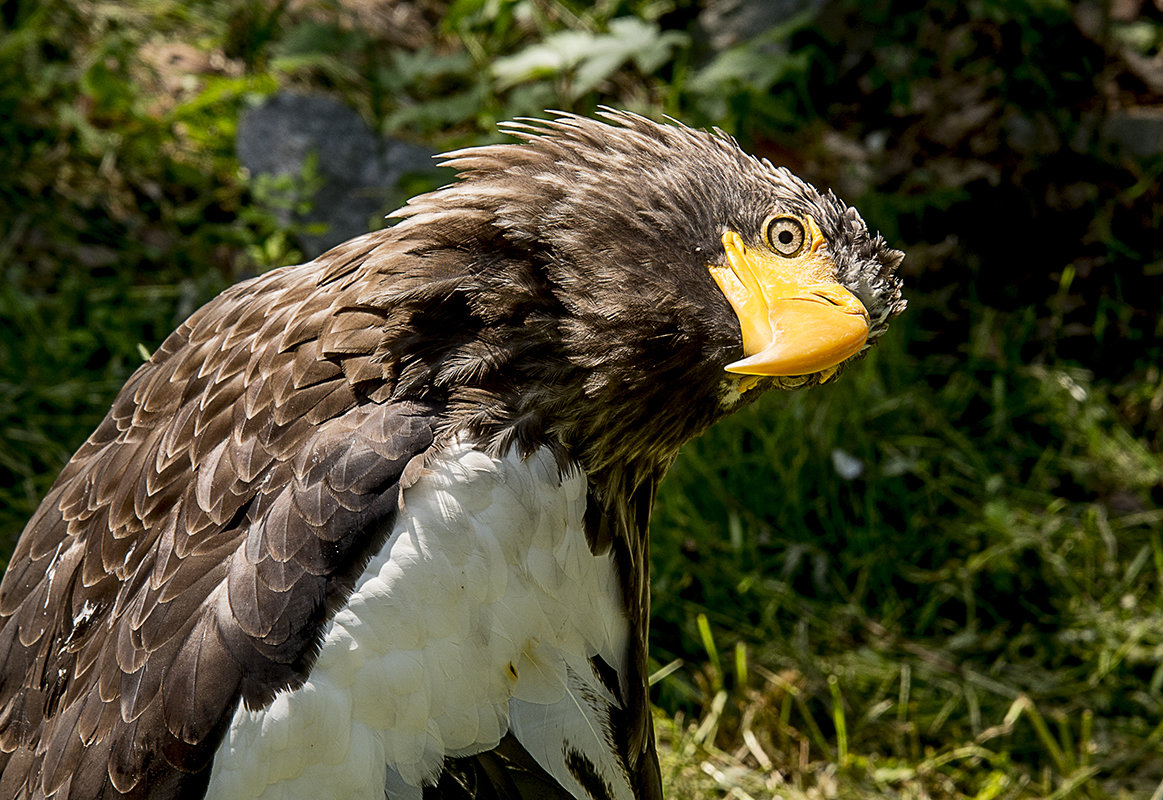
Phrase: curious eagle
(376, 525)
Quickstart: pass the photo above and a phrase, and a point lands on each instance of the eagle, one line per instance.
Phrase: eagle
(375, 526)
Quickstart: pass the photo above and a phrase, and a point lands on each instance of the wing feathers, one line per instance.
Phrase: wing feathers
(192, 549)
(248, 458)
(126, 760)
(194, 687)
(57, 773)
(314, 501)
(91, 775)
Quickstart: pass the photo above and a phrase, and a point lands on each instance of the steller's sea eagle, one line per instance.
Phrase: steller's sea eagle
(376, 525)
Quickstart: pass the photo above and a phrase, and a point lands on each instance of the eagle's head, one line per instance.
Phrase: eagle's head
(620, 284)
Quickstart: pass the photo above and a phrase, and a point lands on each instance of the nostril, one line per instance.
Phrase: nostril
(827, 298)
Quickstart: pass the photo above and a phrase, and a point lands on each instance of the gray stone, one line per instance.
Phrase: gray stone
(356, 171)
(1138, 130)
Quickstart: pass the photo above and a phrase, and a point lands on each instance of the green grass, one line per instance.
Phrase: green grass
(939, 577)
(978, 614)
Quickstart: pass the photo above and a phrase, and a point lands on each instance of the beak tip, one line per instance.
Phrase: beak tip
(804, 354)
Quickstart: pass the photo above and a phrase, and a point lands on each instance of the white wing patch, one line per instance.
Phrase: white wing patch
(478, 615)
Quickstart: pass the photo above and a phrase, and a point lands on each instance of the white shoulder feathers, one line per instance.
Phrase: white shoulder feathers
(478, 616)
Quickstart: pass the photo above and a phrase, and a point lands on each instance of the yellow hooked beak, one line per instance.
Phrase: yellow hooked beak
(795, 318)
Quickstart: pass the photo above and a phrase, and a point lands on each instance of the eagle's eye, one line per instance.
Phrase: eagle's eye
(786, 235)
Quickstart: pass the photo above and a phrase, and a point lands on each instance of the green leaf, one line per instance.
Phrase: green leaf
(589, 58)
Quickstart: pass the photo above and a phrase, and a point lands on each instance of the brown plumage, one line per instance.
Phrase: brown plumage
(192, 551)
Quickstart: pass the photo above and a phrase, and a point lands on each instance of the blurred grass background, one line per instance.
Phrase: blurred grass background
(940, 577)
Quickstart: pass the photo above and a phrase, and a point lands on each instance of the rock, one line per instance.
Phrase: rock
(1138, 130)
(357, 170)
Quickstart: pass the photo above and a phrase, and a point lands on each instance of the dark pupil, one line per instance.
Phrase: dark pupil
(786, 237)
